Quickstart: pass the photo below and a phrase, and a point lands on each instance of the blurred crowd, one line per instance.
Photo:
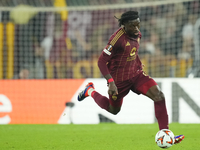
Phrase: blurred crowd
(46, 46)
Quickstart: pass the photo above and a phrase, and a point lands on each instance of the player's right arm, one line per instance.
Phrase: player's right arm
(104, 59)
(102, 64)
(112, 88)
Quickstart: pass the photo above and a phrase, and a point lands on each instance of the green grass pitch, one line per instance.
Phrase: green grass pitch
(106, 136)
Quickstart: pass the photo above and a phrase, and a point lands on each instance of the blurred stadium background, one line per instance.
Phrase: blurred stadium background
(51, 42)
(62, 39)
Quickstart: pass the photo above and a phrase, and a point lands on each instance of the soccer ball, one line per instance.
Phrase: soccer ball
(164, 138)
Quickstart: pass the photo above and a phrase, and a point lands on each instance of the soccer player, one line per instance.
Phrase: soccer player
(121, 67)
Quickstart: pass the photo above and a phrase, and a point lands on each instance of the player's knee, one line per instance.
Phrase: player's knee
(114, 110)
(155, 94)
(159, 96)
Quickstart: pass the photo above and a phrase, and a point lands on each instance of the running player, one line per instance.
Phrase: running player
(121, 67)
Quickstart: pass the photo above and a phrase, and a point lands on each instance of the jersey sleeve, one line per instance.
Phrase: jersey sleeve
(114, 44)
(102, 64)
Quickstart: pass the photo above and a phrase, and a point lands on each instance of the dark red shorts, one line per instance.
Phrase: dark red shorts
(139, 84)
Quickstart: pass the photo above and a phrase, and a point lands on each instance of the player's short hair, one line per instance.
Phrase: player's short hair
(127, 16)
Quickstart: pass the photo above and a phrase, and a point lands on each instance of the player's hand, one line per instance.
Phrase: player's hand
(112, 89)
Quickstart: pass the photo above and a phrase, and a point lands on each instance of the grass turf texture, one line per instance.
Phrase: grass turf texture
(106, 136)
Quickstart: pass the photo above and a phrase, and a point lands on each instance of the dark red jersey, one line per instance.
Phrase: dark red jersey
(120, 57)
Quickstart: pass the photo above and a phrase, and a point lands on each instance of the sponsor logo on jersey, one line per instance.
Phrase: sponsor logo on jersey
(128, 44)
(132, 54)
(131, 58)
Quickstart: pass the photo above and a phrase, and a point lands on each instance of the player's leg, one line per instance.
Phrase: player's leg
(147, 86)
(106, 103)
(152, 90)
(102, 101)
(157, 96)
(115, 101)
(112, 105)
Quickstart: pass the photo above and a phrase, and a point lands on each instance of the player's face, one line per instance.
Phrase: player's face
(132, 27)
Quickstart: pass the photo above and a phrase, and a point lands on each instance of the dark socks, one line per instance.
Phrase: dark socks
(102, 101)
(161, 114)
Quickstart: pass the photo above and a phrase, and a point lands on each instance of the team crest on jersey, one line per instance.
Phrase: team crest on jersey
(108, 49)
(114, 97)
